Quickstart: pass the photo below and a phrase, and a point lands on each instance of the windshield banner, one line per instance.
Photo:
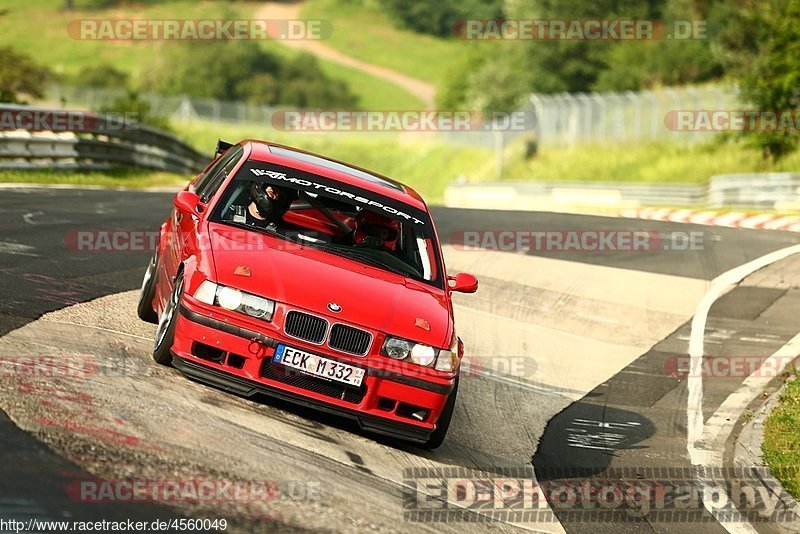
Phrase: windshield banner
(312, 183)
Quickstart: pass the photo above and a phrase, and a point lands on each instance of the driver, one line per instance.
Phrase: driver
(376, 231)
(269, 203)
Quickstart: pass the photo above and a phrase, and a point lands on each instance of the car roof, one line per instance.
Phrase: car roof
(330, 168)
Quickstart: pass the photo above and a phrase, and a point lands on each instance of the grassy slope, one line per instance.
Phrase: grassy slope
(51, 45)
(646, 163)
(781, 445)
(365, 33)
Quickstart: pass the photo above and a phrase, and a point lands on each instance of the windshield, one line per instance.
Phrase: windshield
(340, 219)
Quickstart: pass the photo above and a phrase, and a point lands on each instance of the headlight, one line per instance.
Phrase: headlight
(235, 300)
(397, 348)
(258, 307)
(423, 355)
(401, 349)
(229, 298)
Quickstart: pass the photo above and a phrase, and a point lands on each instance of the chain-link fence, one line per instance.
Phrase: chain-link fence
(573, 119)
(186, 109)
(561, 119)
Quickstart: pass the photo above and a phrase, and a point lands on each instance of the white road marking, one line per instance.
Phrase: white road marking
(721, 423)
(17, 249)
(600, 439)
(597, 318)
(759, 339)
(32, 216)
(695, 431)
(28, 217)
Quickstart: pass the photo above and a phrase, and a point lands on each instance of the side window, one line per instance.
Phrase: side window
(226, 171)
(208, 184)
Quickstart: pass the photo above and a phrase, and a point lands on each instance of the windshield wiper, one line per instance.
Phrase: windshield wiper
(365, 257)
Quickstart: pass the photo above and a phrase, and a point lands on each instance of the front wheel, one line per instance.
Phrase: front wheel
(148, 293)
(165, 333)
(438, 435)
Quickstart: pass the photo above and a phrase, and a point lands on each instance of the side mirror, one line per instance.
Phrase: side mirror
(463, 283)
(188, 202)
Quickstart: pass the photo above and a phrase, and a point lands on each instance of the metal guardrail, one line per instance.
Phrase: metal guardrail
(100, 144)
(756, 190)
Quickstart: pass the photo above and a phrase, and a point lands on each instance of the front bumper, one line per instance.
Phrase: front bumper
(243, 365)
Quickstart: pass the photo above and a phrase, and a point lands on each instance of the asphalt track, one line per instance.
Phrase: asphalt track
(593, 331)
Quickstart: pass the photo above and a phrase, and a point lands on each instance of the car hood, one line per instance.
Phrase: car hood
(308, 278)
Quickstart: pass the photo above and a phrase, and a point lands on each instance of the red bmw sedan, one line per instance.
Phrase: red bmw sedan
(290, 274)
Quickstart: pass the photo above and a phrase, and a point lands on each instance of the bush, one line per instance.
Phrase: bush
(20, 76)
(103, 76)
(633, 66)
(132, 105)
(305, 85)
(439, 17)
(241, 70)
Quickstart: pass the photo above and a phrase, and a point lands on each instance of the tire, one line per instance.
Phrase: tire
(145, 309)
(438, 435)
(165, 333)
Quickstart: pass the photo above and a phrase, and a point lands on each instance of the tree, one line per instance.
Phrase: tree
(103, 76)
(439, 17)
(242, 70)
(759, 41)
(131, 105)
(20, 76)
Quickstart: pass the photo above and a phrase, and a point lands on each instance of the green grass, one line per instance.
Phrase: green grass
(50, 43)
(119, 177)
(781, 445)
(644, 163)
(365, 33)
(373, 93)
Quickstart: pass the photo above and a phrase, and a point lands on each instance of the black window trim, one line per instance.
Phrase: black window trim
(211, 180)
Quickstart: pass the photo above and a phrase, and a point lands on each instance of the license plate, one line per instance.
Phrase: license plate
(318, 366)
